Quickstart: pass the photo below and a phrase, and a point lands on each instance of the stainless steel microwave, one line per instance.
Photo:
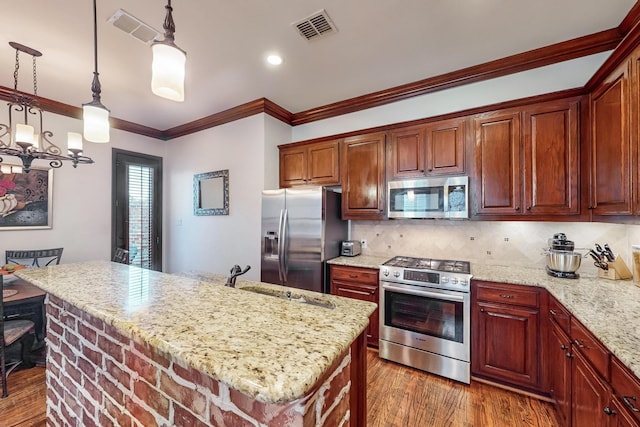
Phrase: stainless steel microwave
(438, 197)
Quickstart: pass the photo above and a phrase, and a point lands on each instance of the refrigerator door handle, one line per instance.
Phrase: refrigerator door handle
(283, 245)
(279, 248)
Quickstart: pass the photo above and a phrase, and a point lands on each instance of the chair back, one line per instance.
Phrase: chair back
(121, 256)
(35, 257)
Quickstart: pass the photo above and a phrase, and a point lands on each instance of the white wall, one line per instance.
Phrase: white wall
(552, 78)
(216, 243)
(81, 196)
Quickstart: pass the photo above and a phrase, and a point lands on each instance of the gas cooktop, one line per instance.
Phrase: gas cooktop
(440, 273)
(430, 264)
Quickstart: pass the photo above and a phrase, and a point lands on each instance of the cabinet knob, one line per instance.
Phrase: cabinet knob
(563, 347)
(528, 208)
(569, 355)
(609, 411)
(590, 207)
(517, 208)
(506, 296)
(353, 276)
(482, 310)
(430, 169)
(552, 312)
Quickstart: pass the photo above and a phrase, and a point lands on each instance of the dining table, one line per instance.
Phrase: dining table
(24, 300)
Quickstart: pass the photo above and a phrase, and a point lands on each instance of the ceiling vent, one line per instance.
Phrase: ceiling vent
(315, 26)
(134, 27)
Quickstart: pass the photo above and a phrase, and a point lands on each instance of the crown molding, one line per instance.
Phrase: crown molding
(564, 51)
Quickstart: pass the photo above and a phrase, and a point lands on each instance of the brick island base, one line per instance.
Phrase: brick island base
(98, 377)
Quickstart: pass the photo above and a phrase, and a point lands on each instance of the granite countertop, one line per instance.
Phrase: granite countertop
(272, 349)
(608, 308)
(366, 261)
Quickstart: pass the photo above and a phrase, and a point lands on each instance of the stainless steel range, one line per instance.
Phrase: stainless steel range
(425, 312)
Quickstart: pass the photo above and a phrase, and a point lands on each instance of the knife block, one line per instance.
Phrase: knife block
(618, 270)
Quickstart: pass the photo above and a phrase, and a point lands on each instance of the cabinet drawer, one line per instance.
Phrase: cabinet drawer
(626, 387)
(354, 274)
(518, 295)
(590, 347)
(559, 315)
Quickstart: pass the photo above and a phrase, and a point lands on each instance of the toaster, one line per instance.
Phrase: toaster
(351, 248)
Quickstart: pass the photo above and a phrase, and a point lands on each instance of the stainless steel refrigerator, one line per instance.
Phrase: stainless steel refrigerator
(301, 229)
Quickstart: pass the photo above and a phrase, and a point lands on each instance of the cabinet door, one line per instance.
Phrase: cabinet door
(590, 395)
(323, 163)
(444, 144)
(610, 146)
(406, 153)
(618, 416)
(506, 344)
(362, 160)
(497, 157)
(362, 284)
(293, 166)
(551, 158)
(559, 365)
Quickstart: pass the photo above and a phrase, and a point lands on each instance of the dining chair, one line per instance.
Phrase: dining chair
(34, 257)
(121, 256)
(13, 332)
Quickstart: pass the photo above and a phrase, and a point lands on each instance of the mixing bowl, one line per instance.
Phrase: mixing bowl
(563, 261)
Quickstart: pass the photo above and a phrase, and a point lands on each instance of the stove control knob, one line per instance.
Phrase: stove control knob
(464, 282)
(454, 281)
(385, 272)
(444, 279)
(396, 274)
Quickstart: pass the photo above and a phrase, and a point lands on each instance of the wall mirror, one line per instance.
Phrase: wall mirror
(211, 193)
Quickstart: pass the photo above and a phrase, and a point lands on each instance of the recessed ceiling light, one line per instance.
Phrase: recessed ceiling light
(274, 59)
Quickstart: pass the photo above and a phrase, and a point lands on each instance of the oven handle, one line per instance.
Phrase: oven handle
(422, 293)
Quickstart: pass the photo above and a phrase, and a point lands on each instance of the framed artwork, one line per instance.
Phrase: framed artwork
(211, 193)
(26, 201)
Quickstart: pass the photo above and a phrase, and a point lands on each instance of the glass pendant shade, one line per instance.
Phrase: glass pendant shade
(168, 71)
(24, 133)
(96, 123)
(74, 141)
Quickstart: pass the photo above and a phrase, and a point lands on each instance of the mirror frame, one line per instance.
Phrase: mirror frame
(197, 201)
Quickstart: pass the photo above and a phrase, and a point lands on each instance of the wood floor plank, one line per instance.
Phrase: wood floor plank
(398, 396)
(26, 404)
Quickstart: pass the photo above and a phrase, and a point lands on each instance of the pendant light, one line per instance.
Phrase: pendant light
(95, 115)
(168, 66)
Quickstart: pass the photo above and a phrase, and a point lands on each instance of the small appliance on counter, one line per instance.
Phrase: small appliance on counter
(562, 261)
(351, 248)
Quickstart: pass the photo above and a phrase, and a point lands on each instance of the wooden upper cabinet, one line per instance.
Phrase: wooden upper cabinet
(498, 189)
(406, 154)
(445, 147)
(551, 162)
(432, 149)
(363, 166)
(311, 164)
(610, 145)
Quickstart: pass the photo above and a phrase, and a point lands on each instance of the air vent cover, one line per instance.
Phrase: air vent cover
(134, 27)
(315, 26)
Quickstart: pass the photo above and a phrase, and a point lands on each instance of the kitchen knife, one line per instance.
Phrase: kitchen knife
(599, 250)
(608, 253)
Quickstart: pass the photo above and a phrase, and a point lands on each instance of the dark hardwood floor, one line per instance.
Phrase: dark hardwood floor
(397, 397)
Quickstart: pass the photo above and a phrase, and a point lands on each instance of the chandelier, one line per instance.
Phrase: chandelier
(20, 138)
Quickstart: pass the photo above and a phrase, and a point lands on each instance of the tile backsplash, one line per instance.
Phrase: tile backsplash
(520, 243)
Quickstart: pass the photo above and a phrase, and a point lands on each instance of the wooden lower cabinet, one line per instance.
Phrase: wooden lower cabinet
(505, 334)
(587, 384)
(559, 359)
(359, 283)
(590, 394)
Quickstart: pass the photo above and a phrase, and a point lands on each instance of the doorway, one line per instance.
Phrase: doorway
(137, 208)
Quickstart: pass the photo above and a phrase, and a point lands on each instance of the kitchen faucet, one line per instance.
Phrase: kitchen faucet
(235, 272)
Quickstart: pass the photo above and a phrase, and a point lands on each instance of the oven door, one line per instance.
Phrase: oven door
(429, 319)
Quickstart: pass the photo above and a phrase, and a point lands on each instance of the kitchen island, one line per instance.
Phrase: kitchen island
(133, 346)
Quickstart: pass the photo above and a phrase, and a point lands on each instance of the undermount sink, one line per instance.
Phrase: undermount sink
(287, 295)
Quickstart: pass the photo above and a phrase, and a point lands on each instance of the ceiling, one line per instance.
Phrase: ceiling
(379, 44)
